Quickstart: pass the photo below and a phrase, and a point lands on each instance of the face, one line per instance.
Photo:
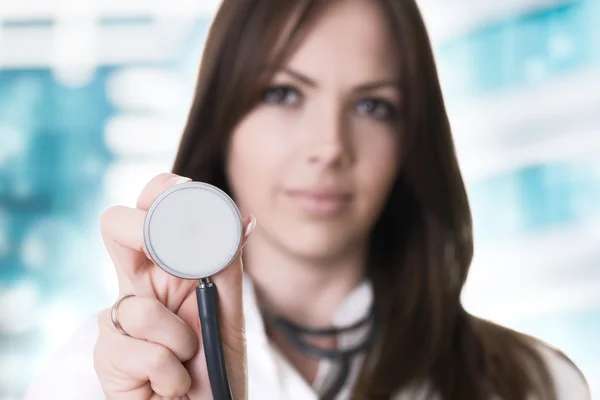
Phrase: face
(315, 161)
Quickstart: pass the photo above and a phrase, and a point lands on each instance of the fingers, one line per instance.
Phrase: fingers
(155, 187)
(124, 226)
(146, 318)
(154, 363)
(145, 362)
(131, 368)
(122, 230)
(123, 235)
(156, 396)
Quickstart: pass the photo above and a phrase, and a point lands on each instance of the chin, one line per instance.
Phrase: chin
(320, 244)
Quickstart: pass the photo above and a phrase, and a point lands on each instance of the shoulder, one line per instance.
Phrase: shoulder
(70, 370)
(569, 381)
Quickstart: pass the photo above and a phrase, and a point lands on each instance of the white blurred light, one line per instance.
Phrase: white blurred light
(480, 162)
(115, 45)
(75, 53)
(80, 10)
(19, 308)
(147, 89)
(128, 135)
(59, 321)
(185, 7)
(75, 33)
(445, 19)
(534, 300)
(108, 275)
(74, 76)
(454, 75)
(15, 372)
(13, 143)
(76, 42)
(526, 258)
(44, 9)
(123, 182)
(448, 19)
(546, 272)
(498, 132)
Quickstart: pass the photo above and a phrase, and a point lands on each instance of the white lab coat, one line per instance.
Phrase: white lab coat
(70, 373)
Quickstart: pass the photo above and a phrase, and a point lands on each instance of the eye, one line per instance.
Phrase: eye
(377, 108)
(284, 95)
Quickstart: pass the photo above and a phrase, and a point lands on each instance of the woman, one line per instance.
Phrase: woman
(324, 120)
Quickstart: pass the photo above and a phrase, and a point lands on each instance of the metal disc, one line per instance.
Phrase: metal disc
(193, 230)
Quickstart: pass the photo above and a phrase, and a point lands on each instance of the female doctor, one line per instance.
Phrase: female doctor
(324, 120)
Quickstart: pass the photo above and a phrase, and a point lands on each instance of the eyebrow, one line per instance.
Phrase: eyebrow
(360, 88)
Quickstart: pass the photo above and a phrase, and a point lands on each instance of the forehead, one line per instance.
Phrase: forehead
(351, 37)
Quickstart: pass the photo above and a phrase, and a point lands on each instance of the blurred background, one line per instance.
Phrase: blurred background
(94, 95)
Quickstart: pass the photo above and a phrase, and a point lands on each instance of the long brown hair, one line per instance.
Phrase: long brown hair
(422, 245)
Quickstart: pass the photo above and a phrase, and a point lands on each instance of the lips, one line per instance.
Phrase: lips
(320, 201)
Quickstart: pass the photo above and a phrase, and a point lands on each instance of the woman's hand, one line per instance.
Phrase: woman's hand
(147, 365)
(163, 355)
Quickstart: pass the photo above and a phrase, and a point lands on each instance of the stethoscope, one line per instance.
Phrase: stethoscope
(193, 231)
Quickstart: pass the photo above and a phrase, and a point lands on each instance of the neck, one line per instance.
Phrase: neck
(283, 281)
(292, 287)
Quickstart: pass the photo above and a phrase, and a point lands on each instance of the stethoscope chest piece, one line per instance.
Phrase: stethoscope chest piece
(193, 230)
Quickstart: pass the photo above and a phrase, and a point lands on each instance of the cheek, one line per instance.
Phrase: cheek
(378, 159)
(255, 160)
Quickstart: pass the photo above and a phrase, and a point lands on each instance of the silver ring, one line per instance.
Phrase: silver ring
(114, 314)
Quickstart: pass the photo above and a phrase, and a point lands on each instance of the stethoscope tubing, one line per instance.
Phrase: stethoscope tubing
(208, 310)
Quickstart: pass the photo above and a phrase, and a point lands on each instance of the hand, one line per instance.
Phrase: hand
(163, 355)
(147, 365)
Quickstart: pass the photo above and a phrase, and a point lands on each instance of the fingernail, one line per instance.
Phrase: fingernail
(250, 226)
(177, 180)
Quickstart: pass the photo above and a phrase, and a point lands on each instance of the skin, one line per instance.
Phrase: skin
(314, 162)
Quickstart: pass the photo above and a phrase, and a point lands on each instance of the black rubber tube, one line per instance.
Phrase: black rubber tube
(339, 382)
(208, 309)
(294, 335)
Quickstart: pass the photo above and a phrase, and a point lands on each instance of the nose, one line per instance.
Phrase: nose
(331, 141)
